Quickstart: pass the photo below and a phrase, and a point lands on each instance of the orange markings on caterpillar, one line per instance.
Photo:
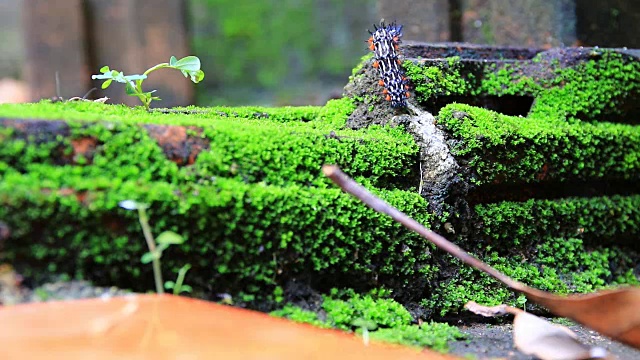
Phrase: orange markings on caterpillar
(385, 44)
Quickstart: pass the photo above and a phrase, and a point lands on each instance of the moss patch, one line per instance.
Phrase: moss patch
(565, 245)
(253, 205)
(443, 79)
(384, 320)
(566, 84)
(510, 149)
(595, 88)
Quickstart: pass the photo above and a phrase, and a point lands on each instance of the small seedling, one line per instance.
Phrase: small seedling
(178, 287)
(189, 66)
(156, 247)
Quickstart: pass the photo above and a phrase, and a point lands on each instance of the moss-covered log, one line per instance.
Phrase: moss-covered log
(547, 194)
(555, 132)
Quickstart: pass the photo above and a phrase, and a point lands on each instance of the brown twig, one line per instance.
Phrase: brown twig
(350, 186)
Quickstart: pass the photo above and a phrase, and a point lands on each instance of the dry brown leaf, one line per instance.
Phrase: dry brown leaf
(535, 336)
(486, 311)
(613, 313)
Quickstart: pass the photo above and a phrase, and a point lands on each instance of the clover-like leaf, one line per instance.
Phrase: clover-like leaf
(149, 257)
(169, 238)
(188, 63)
(106, 83)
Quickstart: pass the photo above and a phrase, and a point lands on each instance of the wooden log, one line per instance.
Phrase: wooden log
(422, 20)
(521, 23)
(55, 44)
(132, 36)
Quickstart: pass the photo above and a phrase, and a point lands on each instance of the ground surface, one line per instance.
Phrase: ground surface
(496, 341)
(484, 340)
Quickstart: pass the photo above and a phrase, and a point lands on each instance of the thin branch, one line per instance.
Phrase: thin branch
(348, 185)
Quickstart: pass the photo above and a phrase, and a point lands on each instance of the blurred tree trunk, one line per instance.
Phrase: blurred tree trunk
(55, 45)
(422, 20)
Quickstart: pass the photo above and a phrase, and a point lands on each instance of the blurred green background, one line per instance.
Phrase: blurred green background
(271, 52)
(278, 51)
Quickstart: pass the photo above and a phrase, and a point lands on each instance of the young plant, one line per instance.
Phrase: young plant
(156, 247)
(189, 66)
(178, 286)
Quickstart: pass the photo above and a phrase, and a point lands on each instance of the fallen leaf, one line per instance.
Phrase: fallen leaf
(175, 327)
(613, 313)
(535, 336)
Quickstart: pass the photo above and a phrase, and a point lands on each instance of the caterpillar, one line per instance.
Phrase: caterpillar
(384, 42)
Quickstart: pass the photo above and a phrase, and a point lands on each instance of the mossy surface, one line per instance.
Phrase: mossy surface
(258, 215)
(562, 246)
(383, 319)
(442, 79)
(240, 237)
(565, 84)
(253, 206)
(330, 116)
(511, 149)
(596, 88)
(277, 147)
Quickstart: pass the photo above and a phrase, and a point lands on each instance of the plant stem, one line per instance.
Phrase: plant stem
(177, 288)
(146, 230)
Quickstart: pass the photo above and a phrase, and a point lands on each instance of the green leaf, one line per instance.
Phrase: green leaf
(148, 257)
(105, 69)
(169, 285)
(130, 89)
(197, 76)
(186, 289)
(169, 238)
(188, 63)
(161, 248)
(106, 83)
(173, 61)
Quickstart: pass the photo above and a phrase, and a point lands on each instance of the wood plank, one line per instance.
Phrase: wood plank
(422, 20)
(534, 23)
(55, 42)
(133, 36)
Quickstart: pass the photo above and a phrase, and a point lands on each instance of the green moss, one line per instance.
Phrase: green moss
(381, 312)
(240, 236)
(593, 89)
(572, 238)
(384, 319)
(432, 335)
(590, 90)
(335, 113)
(442, 79)
(499, 148)
(248, 149)
(598, 220)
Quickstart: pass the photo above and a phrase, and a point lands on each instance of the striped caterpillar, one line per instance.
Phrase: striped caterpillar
(384, 42)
